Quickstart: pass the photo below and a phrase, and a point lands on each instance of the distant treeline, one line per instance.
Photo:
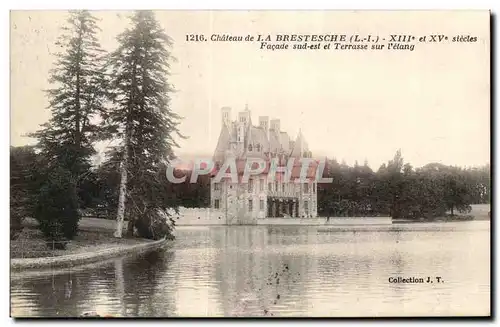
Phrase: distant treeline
(401, 191)
(395, 189)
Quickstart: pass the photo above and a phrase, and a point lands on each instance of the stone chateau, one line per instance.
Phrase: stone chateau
(263, 196)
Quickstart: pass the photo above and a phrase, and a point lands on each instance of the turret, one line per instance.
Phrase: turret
(275, 125)
(264, 124)
(226, 116)
(244, 116)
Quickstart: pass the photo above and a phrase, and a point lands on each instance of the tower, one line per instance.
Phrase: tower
(275, 125)
(264, 124)
(226, 116)
(240, 137)
(244, 116)
(244, 120)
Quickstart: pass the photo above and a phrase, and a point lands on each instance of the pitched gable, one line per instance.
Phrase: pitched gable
(300, 146)
(223, 144)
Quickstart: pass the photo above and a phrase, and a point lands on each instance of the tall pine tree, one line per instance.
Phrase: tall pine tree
(143, 119)
(77, 97)
(66, 141)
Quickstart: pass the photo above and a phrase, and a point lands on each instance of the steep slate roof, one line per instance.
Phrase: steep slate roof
(300, 146)
(285, 142)
(233, 130)
(222, 144)
(241, 165)
(277, 142)
(257, 135)
(274, 141)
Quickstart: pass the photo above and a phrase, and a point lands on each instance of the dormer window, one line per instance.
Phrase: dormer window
(250, 147)
(258, 148)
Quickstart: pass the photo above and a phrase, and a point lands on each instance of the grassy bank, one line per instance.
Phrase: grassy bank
(95, 254)
(31, 243)
(94, 242)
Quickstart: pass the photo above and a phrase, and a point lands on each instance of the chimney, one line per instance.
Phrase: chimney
(242, 124)
(240, 137)
(264, 124)
(275, 125)
(226, 116)
(244, 117)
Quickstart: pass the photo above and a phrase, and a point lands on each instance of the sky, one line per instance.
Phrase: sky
(433, 103)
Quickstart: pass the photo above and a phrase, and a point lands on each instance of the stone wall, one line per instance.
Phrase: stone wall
(481, 211)
(322, 221)
(199, 216)
(209, 216)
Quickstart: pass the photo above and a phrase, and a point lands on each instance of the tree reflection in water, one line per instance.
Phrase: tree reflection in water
(279, 271)
(122, 287)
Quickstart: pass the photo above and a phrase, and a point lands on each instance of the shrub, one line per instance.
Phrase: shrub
(23, 163)
(16, 226)
(155, 224)
(57, 208)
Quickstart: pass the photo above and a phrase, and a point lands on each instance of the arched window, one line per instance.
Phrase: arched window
(258, 148)
(250, 147)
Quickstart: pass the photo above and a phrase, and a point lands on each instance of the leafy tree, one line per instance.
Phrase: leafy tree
(23, 170)
(456, 195)
(399, 190)
(381, 197)
(142, 118)
(395, 177)
(191, 195)
(478, 180)
(329, 194)
(56, 208)
(101, 187)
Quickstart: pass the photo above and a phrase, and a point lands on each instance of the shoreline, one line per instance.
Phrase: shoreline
(76, 259)
(435, 220)
(332, 221)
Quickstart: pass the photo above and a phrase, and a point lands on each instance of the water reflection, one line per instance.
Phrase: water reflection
(277, 271)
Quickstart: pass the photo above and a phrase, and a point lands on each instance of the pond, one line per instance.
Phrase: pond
(278, 271)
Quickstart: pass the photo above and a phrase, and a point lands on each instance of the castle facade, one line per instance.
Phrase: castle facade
(268, 194)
